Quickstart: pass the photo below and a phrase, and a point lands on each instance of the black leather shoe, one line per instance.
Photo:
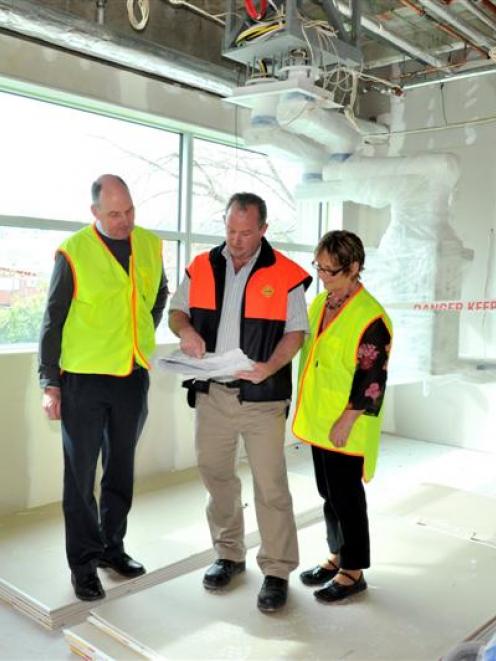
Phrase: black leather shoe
(221, 572)
(123, 565)
(87, 587)
(273, 595)
(318, 575)
(333, 591)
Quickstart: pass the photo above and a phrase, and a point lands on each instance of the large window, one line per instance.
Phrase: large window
(50, 155)
(26, 260)
(221, 170)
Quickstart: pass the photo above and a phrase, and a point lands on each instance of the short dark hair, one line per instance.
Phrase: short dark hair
(344, 246)
(96, 187)
(243, 200)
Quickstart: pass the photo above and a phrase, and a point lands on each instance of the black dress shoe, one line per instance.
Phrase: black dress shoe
(333, 591)
(122, 564)
(87, 587)
(221, 572)
(318, 575)
(273, 595)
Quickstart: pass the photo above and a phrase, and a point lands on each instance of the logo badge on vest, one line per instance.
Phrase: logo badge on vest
(268, 291)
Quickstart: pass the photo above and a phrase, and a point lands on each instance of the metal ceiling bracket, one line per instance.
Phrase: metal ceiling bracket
(356, 21)
(291, 37)
(335, 19)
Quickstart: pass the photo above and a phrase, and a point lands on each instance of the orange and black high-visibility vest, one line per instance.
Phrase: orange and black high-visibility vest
(263, 311)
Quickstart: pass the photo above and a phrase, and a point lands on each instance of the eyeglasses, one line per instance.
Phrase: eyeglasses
(321, 269)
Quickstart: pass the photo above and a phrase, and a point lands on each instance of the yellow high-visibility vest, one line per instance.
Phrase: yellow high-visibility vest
(327, 366)
(109, 326)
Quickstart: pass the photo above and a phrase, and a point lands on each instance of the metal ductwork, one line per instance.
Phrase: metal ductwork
(61, 29)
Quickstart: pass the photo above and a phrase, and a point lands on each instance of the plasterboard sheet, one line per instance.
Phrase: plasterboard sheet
(101, 647)
(457, 512)
(35, 578)
(416, 606)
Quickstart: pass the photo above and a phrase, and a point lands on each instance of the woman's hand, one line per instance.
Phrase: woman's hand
(341, 429)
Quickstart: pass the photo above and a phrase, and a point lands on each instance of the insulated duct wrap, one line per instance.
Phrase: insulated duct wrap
(297, 114)
(419, 258)
(265, 133)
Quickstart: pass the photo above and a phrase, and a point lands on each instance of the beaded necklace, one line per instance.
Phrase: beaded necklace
(334, 302)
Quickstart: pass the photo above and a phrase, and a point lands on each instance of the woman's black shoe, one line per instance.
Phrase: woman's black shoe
(333, 591)
(318, 575)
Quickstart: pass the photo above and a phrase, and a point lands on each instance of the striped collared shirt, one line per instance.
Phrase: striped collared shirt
(228, 335)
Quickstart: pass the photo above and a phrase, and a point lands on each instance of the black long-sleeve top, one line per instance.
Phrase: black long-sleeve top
(369, 381)
(59, 300)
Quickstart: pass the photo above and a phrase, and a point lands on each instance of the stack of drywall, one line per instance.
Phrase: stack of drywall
(167, 532)
(420, 585)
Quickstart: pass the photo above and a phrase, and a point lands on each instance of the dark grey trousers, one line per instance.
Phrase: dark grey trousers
(99, 414)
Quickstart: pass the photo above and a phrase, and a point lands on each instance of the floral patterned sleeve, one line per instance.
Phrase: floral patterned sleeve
(369, 382)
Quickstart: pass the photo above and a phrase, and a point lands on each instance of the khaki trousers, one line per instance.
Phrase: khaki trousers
(220, 420)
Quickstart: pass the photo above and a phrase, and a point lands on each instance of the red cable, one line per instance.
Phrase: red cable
(254, 13)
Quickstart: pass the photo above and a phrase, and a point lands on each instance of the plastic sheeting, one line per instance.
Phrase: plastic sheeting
(419, 257)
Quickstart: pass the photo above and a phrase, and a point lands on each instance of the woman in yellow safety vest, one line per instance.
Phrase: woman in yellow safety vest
(343, 370)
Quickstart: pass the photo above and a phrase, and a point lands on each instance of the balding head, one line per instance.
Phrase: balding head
(105, 180)
(113, 206)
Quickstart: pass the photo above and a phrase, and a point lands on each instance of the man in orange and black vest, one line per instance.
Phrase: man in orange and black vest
(244, 294)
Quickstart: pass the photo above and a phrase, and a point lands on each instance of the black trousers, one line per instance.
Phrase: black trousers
(107, 414)
(339, 481)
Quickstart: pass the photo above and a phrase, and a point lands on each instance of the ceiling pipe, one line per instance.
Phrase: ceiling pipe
(420, 11)
(403, 45)
(460, 75)
(27, 18)
(446, 16)
(487, 4)
(389, 60)
(471, 7)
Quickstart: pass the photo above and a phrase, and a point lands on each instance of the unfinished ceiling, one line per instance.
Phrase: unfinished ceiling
(399, 42)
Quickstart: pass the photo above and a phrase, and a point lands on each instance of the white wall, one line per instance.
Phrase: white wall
(33, 63)
(31, 469)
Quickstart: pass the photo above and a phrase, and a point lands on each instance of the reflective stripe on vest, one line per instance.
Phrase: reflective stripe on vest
(327, 368)
(109, 326)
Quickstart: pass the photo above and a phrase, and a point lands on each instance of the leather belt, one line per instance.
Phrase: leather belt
(229, 384)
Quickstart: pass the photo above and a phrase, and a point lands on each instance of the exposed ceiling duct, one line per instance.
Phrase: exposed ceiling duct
(429, 40)
(448, 17)
(64, 30)
(377, 29)
(482, 16)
